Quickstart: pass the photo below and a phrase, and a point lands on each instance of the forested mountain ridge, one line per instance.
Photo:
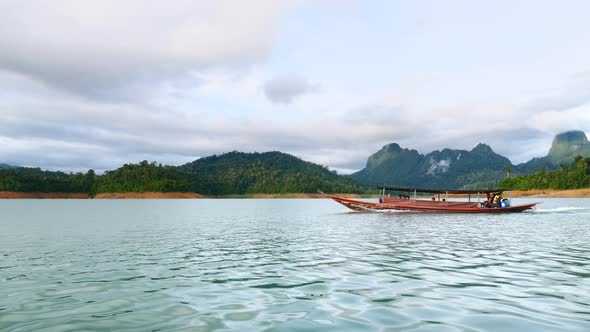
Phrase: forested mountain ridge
(574, 176)
(233, 173)
(276, 172)
(142, 177)
(392, 164)
(268, 172)
(25, 179)
(478, 168)
(564, 149)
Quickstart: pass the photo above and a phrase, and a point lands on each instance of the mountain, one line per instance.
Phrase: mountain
(391, 164)
(231, 173)
(26, 179)
(564, 149)
(276, 172)
(140, 177)
(447, 168)
(566, 146)
(568, 176)
(269, 172)
(479, 168)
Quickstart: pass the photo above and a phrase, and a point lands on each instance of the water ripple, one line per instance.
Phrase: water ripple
(290, 265)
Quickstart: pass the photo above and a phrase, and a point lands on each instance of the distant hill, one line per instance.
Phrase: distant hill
(573, 176)
(564, 149)
(567, 146)
(232, 173)
(141, 177)
(274, 172)
(25, 179)
(479, 168)
(269, 172)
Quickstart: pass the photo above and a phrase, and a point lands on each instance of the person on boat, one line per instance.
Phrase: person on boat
(492, 201)
(488, 202)
(497, 200)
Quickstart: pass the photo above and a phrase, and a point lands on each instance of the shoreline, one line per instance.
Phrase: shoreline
(552, 193)
(546, 193)
(162, 195)
(41, 195)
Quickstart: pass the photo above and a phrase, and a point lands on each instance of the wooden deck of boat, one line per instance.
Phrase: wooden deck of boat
(423, 202)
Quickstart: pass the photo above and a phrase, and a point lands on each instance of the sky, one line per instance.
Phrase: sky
(97, 84)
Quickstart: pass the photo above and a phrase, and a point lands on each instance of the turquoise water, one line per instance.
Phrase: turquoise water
(289, 265)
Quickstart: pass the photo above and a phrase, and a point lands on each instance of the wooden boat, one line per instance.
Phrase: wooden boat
(434, 204)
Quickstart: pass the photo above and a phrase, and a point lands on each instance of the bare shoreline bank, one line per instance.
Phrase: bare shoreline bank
(156, 195)
(553, 193)
(547, 193)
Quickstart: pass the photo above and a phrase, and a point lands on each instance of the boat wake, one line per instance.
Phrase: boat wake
(564, 209)
(395, 211)
(383, 211)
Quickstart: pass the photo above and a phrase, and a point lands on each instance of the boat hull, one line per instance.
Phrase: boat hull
(427, 206)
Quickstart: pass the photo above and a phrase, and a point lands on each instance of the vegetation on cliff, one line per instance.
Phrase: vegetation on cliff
(479, 168)
(237, 173)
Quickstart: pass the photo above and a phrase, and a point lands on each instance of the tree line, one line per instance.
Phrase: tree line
(238, 173)
(139, 177)
(573, 176)
(227, 174)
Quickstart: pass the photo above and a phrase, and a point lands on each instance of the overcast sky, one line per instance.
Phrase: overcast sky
(96, 84)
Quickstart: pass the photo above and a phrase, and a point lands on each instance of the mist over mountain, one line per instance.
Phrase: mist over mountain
(480, 167)
(564, 149)
(6, 166)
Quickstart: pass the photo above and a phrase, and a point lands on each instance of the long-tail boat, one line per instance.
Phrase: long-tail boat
(412, 202)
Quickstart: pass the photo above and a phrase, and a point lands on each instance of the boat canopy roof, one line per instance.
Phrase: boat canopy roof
(441, 191)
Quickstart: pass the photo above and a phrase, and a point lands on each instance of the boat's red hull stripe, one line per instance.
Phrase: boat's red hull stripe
(422, 205)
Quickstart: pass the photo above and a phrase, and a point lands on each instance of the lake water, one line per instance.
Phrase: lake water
(289, 265)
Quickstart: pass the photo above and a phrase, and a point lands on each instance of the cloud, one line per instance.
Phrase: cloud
(572, 95)
(94, 84)
(72, 134)
(117, 50)
(286, 88)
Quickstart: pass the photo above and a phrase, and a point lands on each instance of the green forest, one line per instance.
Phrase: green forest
(237, 173)
(574, 176)
(233, 173)
(24, 179)
(269, 172)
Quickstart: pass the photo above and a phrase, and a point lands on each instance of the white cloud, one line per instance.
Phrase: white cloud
(288, 87)
(117, 49)
(94, 84)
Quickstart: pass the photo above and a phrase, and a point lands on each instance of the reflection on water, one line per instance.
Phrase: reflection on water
(290, 264)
